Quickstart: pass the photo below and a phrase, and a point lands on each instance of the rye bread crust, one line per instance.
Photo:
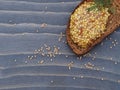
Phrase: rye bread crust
(112, 24)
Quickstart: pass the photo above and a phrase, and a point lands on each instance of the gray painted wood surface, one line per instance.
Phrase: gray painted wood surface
(26, 26)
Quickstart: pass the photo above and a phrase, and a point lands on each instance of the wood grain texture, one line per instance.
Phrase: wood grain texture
(22, 32)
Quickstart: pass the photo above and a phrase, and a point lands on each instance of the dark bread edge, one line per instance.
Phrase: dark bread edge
(112, 25)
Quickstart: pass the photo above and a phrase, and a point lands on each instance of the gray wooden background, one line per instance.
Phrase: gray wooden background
(34, 54)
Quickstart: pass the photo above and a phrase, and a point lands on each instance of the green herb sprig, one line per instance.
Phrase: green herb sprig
(100, 4)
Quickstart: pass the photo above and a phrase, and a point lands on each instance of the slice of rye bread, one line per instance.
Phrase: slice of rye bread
(112, 24)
